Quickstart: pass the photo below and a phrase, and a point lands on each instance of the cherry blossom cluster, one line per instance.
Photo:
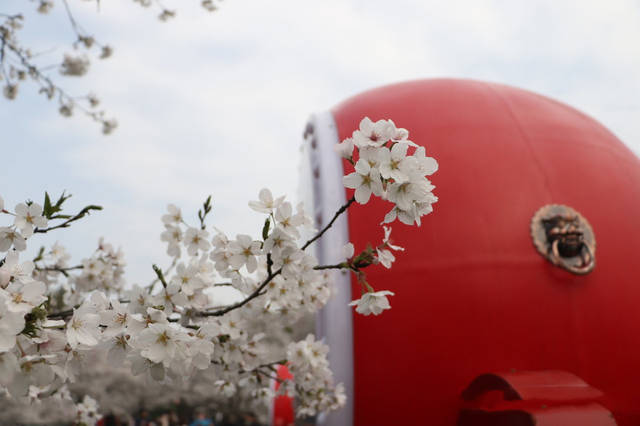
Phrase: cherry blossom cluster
(379, 152)
(87, 411)
(384, 168)
(313, 379)
(56, 317)
(167, 14)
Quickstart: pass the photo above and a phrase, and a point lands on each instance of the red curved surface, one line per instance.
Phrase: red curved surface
(472, 293)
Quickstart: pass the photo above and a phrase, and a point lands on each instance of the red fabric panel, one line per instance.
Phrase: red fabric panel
(472, 293)
(283, 413)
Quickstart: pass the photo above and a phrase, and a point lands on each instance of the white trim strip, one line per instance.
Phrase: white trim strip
(334, 321)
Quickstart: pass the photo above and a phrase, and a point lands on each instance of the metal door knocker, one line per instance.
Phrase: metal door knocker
(565, 238)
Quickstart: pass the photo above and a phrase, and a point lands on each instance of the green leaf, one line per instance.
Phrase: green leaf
(61, 200)
(49, 211)
(265, 229)
(40, 255)
(46, 211)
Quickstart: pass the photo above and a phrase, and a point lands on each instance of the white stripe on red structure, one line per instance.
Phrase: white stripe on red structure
(334, 321)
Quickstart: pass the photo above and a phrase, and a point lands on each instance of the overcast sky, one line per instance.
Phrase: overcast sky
(216, 103)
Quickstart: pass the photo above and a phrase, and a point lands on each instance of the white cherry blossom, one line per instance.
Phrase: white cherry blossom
(87, 411)
(385, 257)
(188, 278)
(59, 255)
(196, 239)
(28, 217)
(115, 319)
(139, 299)
(347, 251)
(172, 235)
(11, 323)
(9, 365)
(400, 135)
(117, 348)
(383, 251)
(82, 328)
(394, 163)
(19, 271)
(345, 148)
(243, 252)
(426, 165)
(404, 194)
(289, 260)
(160, 343)
(23, 297)
(201, 347)
(171, 296)
(287, 221)
(277, 240)
(266, 203)
(174, 217)
(373, 134)
(365, 181)
(11, 237)
(372, 302)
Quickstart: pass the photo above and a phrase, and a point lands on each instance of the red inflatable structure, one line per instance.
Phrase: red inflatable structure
(517, 301)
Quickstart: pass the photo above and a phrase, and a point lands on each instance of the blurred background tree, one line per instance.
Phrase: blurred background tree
(22, 62)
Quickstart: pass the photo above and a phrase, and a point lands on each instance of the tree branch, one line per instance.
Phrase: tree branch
(63, 271)
(336, 266)
(257, 292)
(335, 216)
(82, 213)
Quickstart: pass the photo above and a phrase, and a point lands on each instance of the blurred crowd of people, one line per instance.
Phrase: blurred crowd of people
(176, 418)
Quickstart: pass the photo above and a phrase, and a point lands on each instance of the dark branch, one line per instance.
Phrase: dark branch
(336, 266)
(257, 292)
(82, 213)
(63, 271)
(335, 216)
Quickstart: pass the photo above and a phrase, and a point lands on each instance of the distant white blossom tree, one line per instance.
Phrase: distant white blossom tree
(19, 62)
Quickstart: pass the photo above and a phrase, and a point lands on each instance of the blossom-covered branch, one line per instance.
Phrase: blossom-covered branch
(53, 316)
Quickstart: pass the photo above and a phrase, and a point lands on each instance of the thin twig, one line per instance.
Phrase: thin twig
(266, 365)
(61, 314)
(74, 24)
(336, 266)
(82, 213)
(63, 271)
(69, 312)
(257, 292)
(45, 82)
(335, 216)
